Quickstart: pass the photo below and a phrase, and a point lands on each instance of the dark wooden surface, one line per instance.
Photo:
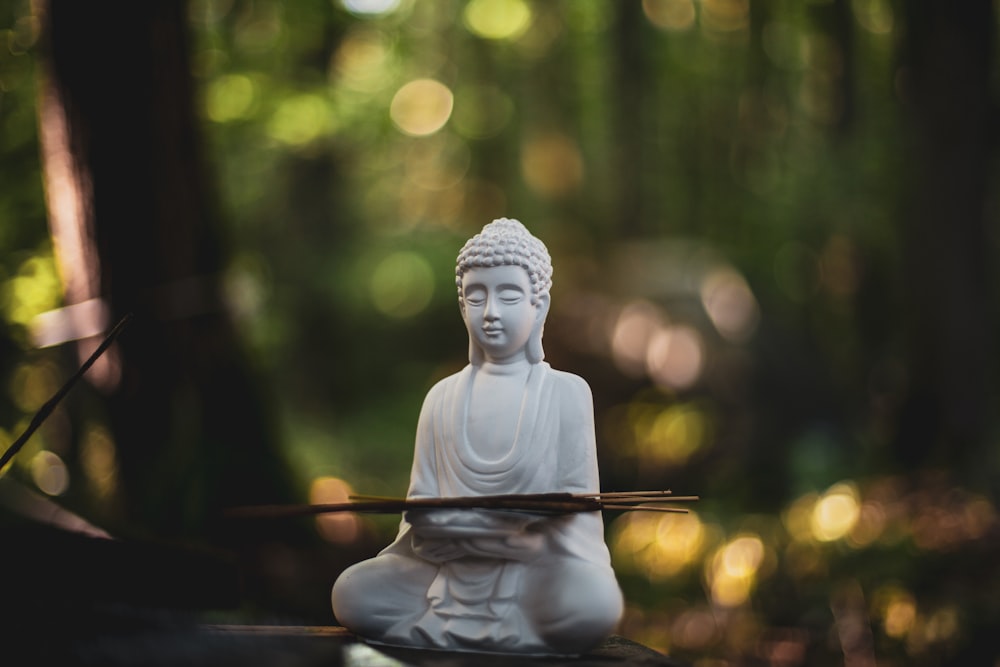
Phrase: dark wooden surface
(615, 651)
(127, 637)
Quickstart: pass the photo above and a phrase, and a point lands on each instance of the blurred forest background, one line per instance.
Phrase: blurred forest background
(774, 232)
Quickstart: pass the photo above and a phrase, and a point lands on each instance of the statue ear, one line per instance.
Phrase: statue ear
(476, 356)
(534, 350)
(543, 308)
(544, 300)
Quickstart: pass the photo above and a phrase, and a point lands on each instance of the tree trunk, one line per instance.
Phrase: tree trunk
(948, 58)
(134, 232)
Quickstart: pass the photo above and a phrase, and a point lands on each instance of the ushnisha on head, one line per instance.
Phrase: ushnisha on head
(507, 242)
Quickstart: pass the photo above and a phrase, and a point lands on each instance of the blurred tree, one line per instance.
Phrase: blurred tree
(134, 230)
(948, 67)
(630, 75)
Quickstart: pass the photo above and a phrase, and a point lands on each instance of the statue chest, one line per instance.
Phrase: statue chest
(495, 414)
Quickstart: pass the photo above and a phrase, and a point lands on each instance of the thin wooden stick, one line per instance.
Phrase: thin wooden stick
(50, 405)
(649, 499)
(627, 494)
(645, 508)
(550, 503)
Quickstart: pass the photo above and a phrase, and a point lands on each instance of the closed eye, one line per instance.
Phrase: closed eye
(475, 296)
(511, 295)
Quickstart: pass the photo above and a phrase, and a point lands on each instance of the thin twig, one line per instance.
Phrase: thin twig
(50, 405)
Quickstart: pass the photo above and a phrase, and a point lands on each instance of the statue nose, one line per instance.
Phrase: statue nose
(491, 312)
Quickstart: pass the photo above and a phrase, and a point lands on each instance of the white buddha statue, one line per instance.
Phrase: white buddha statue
(488, 580)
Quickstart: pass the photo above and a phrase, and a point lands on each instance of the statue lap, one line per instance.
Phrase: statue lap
(571, 603)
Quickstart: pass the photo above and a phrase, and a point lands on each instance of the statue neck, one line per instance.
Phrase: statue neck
(519, 367)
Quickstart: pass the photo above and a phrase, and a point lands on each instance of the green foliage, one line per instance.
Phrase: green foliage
(29, 283)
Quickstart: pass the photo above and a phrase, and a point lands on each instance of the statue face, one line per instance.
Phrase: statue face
(498, 312)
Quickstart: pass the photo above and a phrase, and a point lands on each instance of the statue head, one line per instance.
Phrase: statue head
(506, 242)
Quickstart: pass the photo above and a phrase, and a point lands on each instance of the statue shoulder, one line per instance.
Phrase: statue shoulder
(440, 388)
(572, 389)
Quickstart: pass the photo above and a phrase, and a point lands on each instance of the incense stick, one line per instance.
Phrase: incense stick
(50, 405)
(544, 503)
(646, 508)
(627, 494)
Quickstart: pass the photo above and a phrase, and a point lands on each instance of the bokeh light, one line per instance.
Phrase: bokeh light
(421, 107)
(371, 7)
(679, 541)
(301, 119)
(676, 15)
(260, 31)
(658, 546)
(869, 527)
(797, 517)
(230, 97)
(945, 521)
(35, 289)
(636, 325)
(49, 473)
(671, 435)
(336, 527)
(363, 60)
(402, 284)
(246, 287)
(875, 16)
(732, 571)
(835, 513)
(552, 165)
(725, 15)
(675, 356)
(730, 304)
(897, 609)
(99, 461)
(497, 19)
(32, 384)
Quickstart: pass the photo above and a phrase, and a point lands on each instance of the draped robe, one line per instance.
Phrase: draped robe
(475, 602)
